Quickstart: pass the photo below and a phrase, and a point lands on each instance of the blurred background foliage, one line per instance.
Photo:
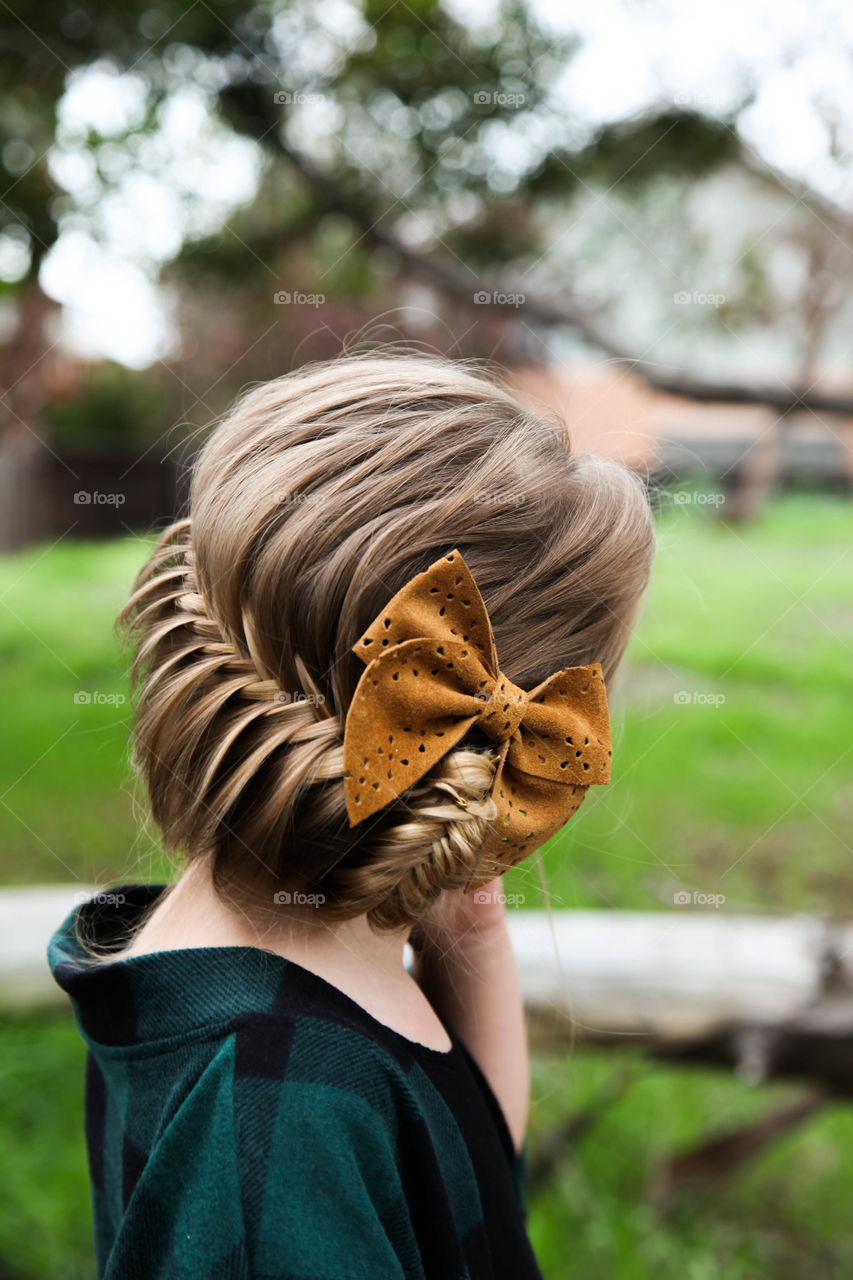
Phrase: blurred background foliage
(392, 147)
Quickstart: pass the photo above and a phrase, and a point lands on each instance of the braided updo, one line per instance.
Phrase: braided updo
(317, 498)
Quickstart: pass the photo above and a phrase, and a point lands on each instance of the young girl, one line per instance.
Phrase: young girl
(370, 676)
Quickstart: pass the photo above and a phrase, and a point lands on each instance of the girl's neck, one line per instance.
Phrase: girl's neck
(367, 967)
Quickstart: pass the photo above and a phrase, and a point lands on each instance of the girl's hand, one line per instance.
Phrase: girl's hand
(464, 964)
(457, 920)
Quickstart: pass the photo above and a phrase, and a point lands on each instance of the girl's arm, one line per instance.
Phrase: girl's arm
(465, 965)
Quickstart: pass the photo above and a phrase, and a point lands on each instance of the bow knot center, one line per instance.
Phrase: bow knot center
(504, 710)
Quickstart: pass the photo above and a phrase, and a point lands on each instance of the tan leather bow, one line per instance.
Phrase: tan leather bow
(432, 672)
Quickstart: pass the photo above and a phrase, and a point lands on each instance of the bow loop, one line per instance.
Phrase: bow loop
(413, 703)
(565, 733)
(442, 602)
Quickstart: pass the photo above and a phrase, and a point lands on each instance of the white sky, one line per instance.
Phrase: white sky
(188, 177)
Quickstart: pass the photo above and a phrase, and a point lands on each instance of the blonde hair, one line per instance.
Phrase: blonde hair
(312, 503)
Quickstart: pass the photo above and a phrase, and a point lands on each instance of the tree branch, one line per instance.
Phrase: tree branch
(553, 314)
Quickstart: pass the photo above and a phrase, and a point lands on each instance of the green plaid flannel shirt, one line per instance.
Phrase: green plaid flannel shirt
(246, 1120)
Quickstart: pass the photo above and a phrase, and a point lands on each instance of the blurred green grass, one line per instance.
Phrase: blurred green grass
(67, 810)
(45, 1212)
(750, 797)
(784, 1215)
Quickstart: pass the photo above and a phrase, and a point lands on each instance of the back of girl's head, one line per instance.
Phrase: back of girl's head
(321, 494)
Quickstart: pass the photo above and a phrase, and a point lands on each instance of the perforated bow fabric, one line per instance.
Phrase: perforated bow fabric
(432, 672)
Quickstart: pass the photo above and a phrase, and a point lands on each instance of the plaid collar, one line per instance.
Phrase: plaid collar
(152, 998)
